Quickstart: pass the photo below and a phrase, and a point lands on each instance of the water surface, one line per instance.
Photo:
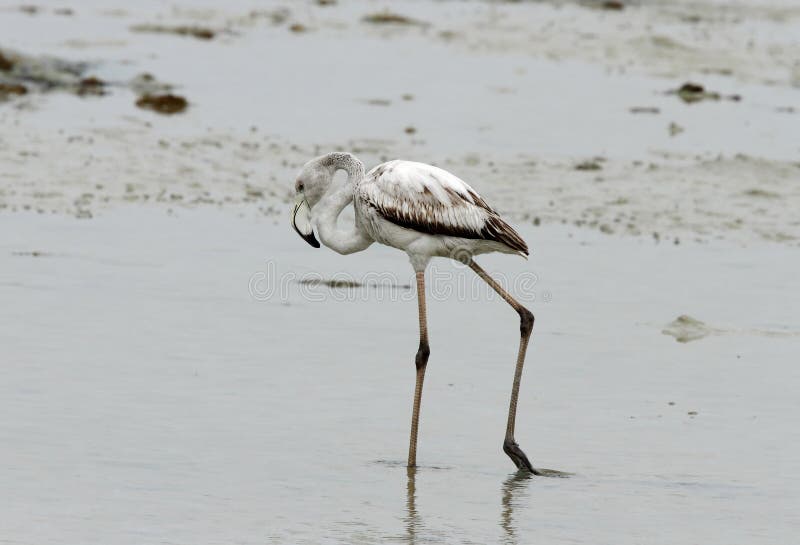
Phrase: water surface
(147, 396)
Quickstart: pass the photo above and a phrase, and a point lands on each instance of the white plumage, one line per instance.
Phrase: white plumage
(443, 213)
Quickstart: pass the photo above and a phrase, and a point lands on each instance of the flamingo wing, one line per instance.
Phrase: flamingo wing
(431, 200)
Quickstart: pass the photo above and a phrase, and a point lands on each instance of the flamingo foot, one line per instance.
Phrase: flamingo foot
(517, 456)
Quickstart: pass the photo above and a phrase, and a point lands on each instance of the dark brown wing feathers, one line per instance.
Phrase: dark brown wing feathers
(494, 228)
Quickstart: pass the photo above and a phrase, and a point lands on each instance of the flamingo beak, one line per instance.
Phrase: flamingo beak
(301, 221)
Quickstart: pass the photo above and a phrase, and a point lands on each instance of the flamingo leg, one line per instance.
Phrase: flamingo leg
(421, 362)
(510, 446)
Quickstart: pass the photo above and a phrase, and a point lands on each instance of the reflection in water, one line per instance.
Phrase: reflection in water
(511, 492)
(511, 488)
(412, 520)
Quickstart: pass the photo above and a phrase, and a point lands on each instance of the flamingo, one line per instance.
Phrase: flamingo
(426, 212)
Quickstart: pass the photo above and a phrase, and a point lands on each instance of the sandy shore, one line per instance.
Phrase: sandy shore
(556, 112)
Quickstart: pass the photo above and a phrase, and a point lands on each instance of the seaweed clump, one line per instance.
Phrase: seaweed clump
(590, 164)
(389, 18)
(6, 64)
(91, 86)
(164, 104)
(201, 33)
(12, 89)
(694, 92)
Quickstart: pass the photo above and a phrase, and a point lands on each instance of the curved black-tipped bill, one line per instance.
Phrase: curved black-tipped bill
(302, 223)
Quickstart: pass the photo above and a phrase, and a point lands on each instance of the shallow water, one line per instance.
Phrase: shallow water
(148, 396)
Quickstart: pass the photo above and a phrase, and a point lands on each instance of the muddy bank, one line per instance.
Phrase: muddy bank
(22, 74)
(629, 159)
(665, 200)
(45, 73)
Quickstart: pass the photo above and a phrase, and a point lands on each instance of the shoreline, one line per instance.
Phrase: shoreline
(584, 133)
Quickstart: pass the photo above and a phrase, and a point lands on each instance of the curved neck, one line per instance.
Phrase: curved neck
(347, 162)
(349, 239)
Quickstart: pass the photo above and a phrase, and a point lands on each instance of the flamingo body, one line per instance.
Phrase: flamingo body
(427, 211)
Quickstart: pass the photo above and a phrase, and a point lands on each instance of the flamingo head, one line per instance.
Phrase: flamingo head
(311, 183)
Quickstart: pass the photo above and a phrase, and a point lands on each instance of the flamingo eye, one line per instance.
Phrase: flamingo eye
(300, 186)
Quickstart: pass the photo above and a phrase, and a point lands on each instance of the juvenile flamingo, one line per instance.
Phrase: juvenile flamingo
(426, 212)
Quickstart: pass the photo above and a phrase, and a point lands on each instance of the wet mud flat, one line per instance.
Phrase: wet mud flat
(173, 378)
(658, 150)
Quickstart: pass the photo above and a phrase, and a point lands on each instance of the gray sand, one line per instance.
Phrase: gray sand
(512, 97)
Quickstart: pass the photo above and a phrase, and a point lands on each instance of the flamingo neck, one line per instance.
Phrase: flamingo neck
(344, 240)
(347, 162)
